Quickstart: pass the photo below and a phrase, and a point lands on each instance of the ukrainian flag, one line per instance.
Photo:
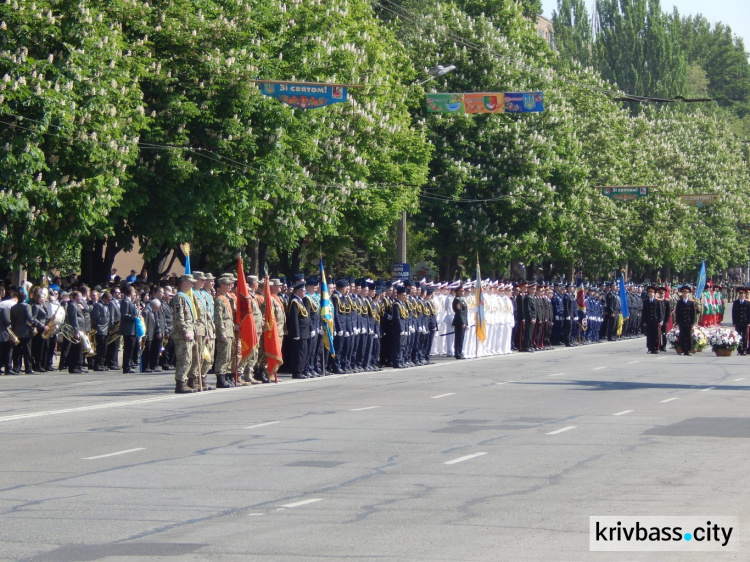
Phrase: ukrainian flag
(326, 312)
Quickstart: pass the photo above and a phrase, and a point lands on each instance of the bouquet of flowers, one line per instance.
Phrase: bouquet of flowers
(699, 340)
(724, 338)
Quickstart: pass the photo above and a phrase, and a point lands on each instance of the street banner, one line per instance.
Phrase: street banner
(445, 103)
(523, 102)
(626, 193)
(700, 200)
(305, 95)
(484, 102)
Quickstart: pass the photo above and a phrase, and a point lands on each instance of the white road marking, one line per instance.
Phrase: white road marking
(662, 357)
(113, 454)
(504, 382)
(254, 514)
(740, 379)
(556, 375)
(261, 425)
(623, 412)
(362, 409)
(95, 407)
(598, 368)
(561, 430)
(466, 458)
(668, 400)
(631, 362)
(707, 389)
(303, 502)
(443, 395)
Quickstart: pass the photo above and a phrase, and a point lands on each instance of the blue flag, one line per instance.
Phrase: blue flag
(701, 281)
(326, 312)
(624, 309)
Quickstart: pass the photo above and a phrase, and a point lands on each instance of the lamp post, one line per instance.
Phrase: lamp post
(434, 72)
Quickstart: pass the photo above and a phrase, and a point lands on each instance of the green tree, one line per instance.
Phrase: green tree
(71, 113)
(635, 48)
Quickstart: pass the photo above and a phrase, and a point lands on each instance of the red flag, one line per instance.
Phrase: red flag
(248, 334)
(271, 340)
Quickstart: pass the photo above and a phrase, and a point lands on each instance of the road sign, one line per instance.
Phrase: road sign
(400, 271)
(699, 199)
(625, 193)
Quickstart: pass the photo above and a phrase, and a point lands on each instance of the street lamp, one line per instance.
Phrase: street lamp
(437, 71)
(434, 72)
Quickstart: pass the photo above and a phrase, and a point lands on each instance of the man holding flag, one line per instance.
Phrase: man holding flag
(248, 335)
(326, 315)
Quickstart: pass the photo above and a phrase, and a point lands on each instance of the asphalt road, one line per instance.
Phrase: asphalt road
(501, 458)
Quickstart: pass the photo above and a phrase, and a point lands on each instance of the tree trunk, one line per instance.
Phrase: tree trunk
(97, 258)
(262, 256)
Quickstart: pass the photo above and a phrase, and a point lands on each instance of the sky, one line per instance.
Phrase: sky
(734, 13)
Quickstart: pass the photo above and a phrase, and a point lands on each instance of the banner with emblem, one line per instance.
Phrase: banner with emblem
(699, 199)
(484, 103)
(524, 102)
(445, 103)
(305, 95)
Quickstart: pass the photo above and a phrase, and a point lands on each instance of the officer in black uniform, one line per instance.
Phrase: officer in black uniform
(298, 328)
(398, 328)
(460, 322)
(653, 318)
(684, 315)
(741, 318)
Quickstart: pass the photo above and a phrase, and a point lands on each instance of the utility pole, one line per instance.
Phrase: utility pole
(401, 239)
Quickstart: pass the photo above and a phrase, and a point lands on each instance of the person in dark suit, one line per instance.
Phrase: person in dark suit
(23, 324)
(653, 318)
(74, 317)
(684, 315)
(741, 318)
(460, 322)
(529, 318)
(100, 324)
(612, 311)
(128, 314)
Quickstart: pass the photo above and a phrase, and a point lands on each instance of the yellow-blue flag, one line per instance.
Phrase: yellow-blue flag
(481, 321)
(326, 312)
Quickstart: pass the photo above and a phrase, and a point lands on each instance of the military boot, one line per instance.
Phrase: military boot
(206, 386)
(182, 388)
(222, 382)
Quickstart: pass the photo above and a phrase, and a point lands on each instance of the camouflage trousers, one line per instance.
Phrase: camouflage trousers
(186, 359)
(252, 362)
(224, 364)
(196, 367)
(207, 363)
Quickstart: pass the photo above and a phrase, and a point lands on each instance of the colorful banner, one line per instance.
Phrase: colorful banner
(699, 200)
(484, 103)
(523, 102)
(445, 103)
(304, 95)
(628, 193)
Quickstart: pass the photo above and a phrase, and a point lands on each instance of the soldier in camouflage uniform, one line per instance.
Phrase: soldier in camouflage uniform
(201, 328)
(225, 342)
(184, 335)
(208, 299)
